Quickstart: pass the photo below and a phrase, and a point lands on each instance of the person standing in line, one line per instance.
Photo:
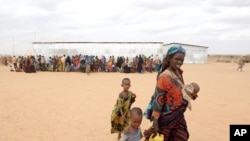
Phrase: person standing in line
(139, 65)
(88, 63)
(63, 58)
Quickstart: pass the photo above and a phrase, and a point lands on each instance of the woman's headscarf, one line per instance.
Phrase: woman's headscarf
(172, 50)
(176, 49)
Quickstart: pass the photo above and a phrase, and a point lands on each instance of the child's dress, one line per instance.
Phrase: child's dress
(117, 122)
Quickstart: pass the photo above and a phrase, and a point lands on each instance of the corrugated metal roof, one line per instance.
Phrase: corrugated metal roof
(184, 44)
(97, 42)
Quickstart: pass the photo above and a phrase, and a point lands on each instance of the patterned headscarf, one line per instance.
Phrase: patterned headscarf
(172, 50)
(176, 49)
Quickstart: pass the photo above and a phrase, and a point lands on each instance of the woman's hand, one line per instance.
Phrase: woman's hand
(155, 126)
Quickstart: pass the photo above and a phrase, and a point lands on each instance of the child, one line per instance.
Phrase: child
(133, 131)
(189, 92)
(121, 112)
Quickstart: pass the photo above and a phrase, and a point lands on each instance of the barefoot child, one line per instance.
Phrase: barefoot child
(133, 131)
(121, 112)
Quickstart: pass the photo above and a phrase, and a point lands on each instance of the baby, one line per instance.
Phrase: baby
(190, 92)
(133, 131)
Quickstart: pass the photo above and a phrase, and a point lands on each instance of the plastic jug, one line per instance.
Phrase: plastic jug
(158, 137)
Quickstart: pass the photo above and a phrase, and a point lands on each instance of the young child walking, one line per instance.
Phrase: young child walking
(121, 112)
(133, 131)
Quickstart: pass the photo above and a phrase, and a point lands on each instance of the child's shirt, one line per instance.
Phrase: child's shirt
(134, 136)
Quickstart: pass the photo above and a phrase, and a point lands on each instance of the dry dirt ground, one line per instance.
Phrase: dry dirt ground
(47, 106)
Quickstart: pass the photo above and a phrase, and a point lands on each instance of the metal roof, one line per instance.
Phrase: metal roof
(97, 42)
(185, 45)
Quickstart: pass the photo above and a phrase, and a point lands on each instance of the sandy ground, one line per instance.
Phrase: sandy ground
(48, 106)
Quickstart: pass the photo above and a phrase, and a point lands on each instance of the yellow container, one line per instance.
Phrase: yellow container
(158, 137)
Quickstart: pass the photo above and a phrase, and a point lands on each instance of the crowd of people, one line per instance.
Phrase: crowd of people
(85, 63)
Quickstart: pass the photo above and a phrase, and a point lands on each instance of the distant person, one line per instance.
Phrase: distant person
(27, 65)
(121, 112)
(59, 64)
(14, 60)
(139, 64)
(63, 60)
(133, 131)
(43, 62)
(32, 64)
(88, 63)
(241, 63)
(68, 61)
(110, 64)
(103, 64)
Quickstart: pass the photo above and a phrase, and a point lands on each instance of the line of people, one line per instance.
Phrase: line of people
(85, 63)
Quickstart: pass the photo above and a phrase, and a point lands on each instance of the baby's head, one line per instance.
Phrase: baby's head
(196, 89)
(136, 117)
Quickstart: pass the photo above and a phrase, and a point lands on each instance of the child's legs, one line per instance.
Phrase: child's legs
(119, 135)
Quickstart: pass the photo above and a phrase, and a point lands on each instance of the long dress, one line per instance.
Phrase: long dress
(110, 65)
(117, 122)
(59, 64)
(169, 105)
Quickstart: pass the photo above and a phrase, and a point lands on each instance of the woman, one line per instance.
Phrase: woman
(110, 64)
(168, 105)
(59, 64)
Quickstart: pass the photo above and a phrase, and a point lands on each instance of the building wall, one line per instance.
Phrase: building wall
(194, 54)
(126, 49)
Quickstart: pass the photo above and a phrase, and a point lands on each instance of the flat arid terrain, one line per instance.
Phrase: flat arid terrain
(60, 106)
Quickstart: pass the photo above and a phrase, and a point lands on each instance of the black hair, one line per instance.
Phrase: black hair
(166, 62)
(137, 110)
(124, 79)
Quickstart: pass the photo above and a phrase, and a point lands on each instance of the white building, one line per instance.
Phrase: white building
(126, 49)
(195, 54)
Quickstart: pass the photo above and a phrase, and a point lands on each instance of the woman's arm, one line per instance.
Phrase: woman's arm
(162, 87)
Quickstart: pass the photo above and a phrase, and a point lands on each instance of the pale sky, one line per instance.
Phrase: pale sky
(221, 25)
